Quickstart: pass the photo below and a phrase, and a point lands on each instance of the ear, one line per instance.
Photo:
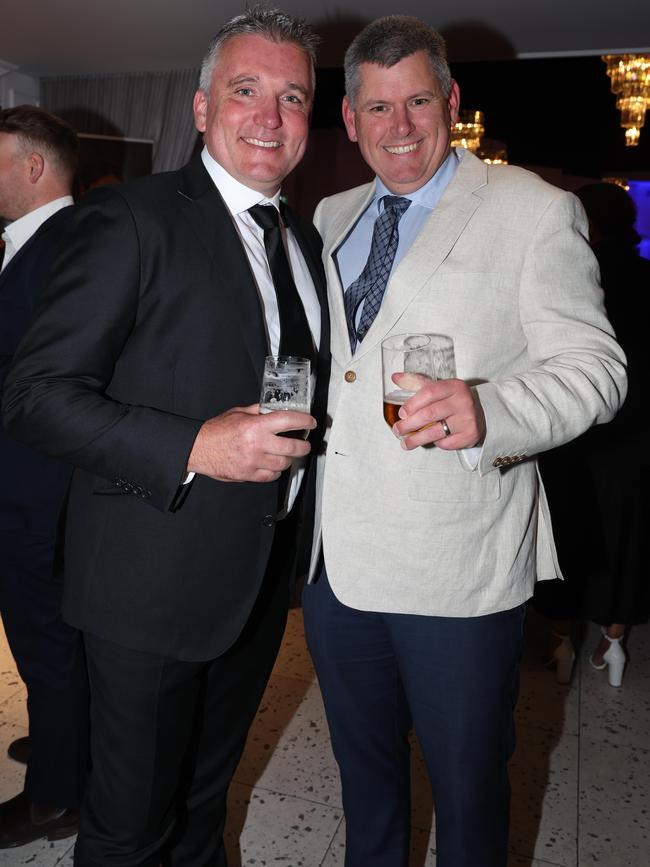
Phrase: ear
(36, 167)
(349, 119)
(200, 106)
(453, 101)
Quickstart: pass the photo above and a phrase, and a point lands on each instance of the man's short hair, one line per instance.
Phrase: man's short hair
(272, 24)
(388, 40)
(38, 130)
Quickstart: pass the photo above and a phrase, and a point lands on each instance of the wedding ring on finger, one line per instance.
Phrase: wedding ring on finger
(445, 427)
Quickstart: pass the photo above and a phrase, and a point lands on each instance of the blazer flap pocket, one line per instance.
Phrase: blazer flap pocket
(456, 487)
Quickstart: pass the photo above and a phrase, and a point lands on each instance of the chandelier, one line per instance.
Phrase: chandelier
(630, 75)
(468, 130)
(493, 152)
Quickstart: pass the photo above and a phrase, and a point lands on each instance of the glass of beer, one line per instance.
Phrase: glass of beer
(442, 353)
(286, 384)
(429, 355)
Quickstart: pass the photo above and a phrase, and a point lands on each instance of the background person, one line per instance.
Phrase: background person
(416, 613)
(600, 520)
(144, 364)
(38, 157)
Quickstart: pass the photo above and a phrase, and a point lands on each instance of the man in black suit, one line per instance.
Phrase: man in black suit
(143, 368)
(38, 155)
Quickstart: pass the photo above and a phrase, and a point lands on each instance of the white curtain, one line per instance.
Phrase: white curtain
(147, 105)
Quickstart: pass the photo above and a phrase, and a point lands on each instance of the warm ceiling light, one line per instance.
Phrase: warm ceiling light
(468, 130)
(630, 75)
(493, 152)
(620, 182)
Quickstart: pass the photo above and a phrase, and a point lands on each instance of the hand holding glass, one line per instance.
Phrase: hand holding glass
(286, 385)
(429, 355)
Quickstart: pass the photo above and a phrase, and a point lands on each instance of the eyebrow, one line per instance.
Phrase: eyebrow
(375, 100)
(253, 79)
(242, 79)
(293, 86)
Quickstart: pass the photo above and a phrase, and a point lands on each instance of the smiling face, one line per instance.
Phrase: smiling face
(402, 121)
(255, 119)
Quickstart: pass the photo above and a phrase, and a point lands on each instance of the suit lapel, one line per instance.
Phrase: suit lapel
(430, 248)
(340, 228)
(312, 256)
(212, 223)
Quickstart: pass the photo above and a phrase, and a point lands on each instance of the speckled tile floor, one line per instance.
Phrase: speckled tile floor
(580, 774)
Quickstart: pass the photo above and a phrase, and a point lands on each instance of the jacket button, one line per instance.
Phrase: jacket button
(268, 520)
(350, 376)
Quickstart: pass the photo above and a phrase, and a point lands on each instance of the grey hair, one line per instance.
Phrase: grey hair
(388, 40)
(273, 24)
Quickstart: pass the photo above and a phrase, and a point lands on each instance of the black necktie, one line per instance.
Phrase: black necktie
(295, 336)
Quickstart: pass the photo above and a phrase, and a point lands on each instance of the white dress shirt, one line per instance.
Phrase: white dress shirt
(238, 199)
(17, 234)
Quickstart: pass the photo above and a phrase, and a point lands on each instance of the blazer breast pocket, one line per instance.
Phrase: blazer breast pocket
(457, 487)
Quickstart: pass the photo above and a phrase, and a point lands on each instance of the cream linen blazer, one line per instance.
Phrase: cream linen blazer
(502, 266)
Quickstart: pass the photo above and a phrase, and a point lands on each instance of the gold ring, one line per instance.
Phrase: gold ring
(445, 427)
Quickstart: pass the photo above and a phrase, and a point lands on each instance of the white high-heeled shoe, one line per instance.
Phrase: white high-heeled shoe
(562, 658)
(614, 660)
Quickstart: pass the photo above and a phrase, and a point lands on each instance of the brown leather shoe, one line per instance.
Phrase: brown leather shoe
(22, 822)
(20, 750)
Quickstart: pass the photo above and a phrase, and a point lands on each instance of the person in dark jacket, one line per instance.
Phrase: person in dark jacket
(144, 367)
(38, 154)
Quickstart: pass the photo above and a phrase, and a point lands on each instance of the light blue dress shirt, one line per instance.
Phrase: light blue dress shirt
(352, 254)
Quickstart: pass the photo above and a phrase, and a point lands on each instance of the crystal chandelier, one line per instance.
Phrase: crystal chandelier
(630, 75)
(468, 130)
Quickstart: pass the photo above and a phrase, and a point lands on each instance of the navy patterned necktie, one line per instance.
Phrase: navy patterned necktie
(295, 335)
(371, 283)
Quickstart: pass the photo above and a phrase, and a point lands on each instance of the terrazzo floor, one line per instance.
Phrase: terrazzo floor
(580, 775)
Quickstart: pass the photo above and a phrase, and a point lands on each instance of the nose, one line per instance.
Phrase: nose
(403, 126)
(268, 113)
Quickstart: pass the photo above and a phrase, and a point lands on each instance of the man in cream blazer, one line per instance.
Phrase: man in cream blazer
(430, 536)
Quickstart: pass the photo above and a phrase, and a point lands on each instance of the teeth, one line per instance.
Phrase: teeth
(262, 144)
(402, 149)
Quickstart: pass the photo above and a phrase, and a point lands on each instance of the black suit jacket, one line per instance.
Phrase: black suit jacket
(33, 485)
(152, 324)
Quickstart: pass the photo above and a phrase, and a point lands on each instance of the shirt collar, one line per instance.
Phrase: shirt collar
(22, 229)
(237, 196)
(429, 194)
